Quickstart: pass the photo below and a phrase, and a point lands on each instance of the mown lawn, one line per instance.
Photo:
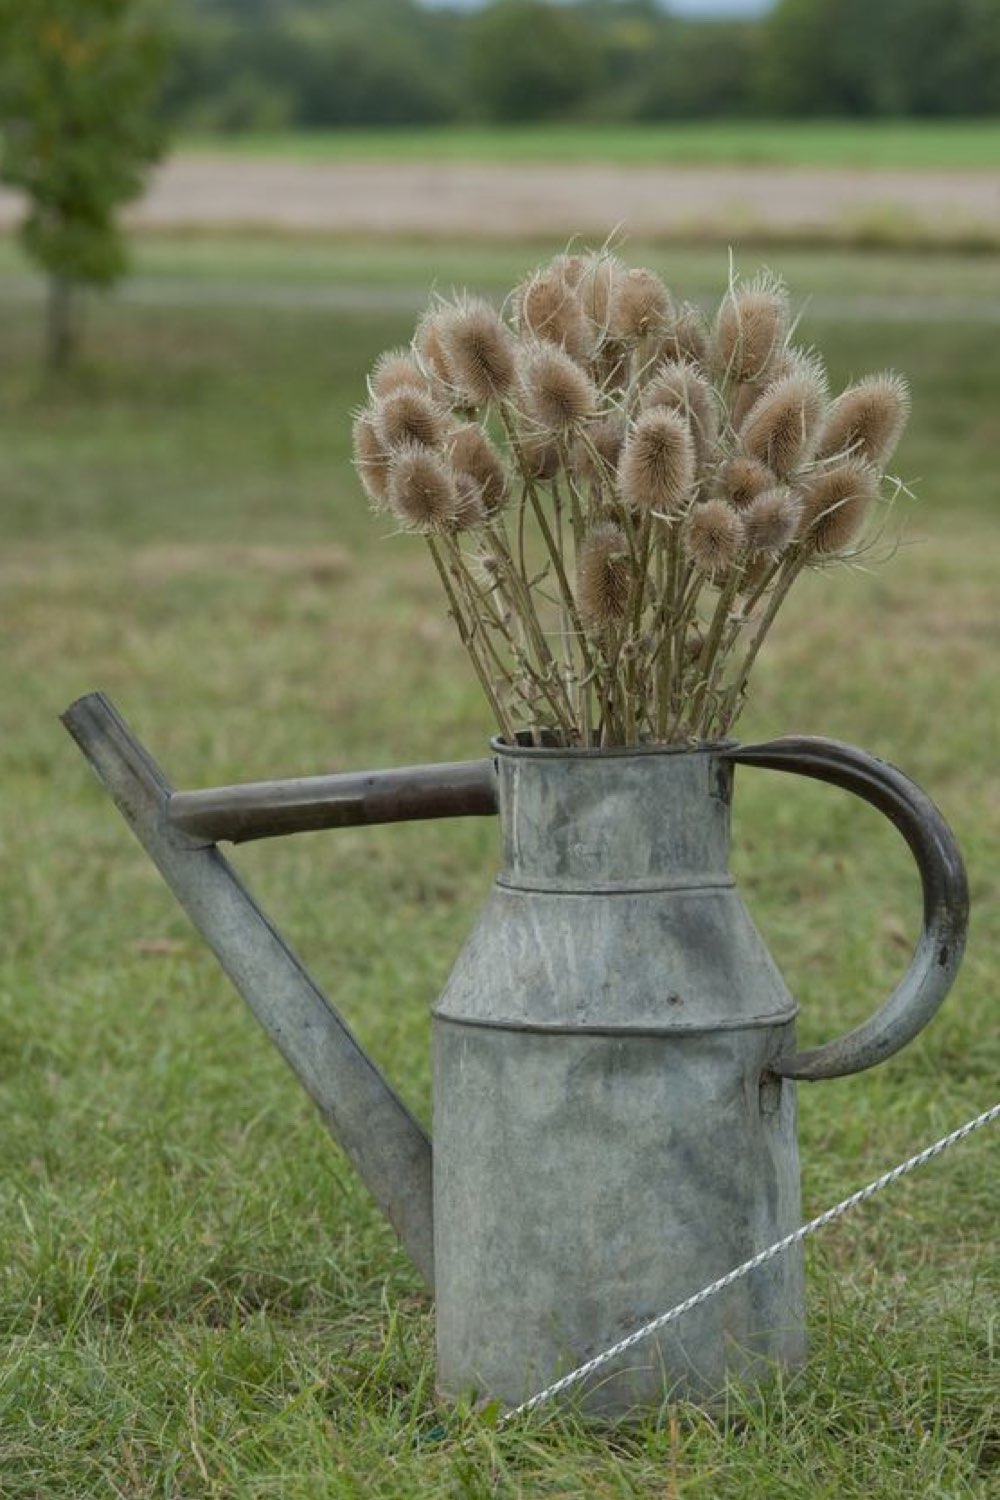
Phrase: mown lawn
(197, 1298)
(943, 144)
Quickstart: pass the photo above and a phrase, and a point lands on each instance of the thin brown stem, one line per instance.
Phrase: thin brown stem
(466, 639)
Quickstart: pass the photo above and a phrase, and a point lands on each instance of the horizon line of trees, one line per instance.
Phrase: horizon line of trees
(305, 64)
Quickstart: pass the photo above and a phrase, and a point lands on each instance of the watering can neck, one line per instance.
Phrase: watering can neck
(613, 820)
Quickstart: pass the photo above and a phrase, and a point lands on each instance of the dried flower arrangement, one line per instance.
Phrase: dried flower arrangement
(618, 493)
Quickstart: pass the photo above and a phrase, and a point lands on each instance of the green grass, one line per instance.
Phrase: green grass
(190, 265)
(197, 1298)
(907, 144)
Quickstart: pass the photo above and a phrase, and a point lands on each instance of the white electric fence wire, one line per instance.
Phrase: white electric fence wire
(648, 1329)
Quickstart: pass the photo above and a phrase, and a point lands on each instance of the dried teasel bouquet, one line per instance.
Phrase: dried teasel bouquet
(618, 494)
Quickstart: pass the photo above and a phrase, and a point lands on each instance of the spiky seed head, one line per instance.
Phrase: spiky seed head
(395, 368)
(470, 511)
(713, 537)
(867, 419)
(657, 468)
(422, 491)
(612, 366)
(792, 361)
(743, 479)
(597, 448)
(641, 306)
(604, 577)
(783, 426)
(428, 345)
(687, 337)
(539, 456)
(598, 288)
(571, 268)
(743, 399)
(771, 522)
(370, 459)
(796, 360)
(479, 351)
(547, 308)
(835, 505)
(557, 393)
(472, 453)
(680, 386)
(751, 328)
(756, 571)
(409, 415)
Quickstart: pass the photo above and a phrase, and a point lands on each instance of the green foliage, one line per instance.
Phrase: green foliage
(77, 88)
(261, 64)
(307, 64)
(529, 61)
(882, 57)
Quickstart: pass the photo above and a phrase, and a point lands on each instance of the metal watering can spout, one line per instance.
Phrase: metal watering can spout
(179, 830)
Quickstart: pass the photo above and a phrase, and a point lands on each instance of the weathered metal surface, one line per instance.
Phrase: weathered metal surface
(941, 945)
(609, 1133)
(268, 809)
(386, 1144)
(612, 1127)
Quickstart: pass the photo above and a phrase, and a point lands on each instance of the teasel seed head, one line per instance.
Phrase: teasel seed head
(557, 393)
(472, 453)
(835, 506)
(547, 308)
(641, 306)
(571, 268)
(751, 328)
(756, 572)
(596, 449)
(783, 426)
(604, 577)
(598, 289)
(409, 415)
(867, 420)
(792, 361)
(428, 345)
(370, 459)
(479, 352)
(393, 369)
(539, 456)
(422, 491)
(657, 467)
(743, 479)
(470, 510)
(681, 387)
(771, 522)
(713, 537)
(687, 337)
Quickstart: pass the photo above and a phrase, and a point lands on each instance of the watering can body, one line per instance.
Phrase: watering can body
(614, 1051)
(609, 1134)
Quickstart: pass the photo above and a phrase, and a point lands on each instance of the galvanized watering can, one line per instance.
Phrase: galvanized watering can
(614, 1095)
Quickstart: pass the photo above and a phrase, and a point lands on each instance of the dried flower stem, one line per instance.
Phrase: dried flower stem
(467, 641)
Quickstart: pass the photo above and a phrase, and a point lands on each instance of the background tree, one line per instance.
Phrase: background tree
(78, 89)
(529, 61)
(881, 57)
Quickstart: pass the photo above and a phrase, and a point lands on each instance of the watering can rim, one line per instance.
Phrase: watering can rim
(503, 747)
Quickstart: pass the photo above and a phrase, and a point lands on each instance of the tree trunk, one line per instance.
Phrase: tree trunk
(62, 323)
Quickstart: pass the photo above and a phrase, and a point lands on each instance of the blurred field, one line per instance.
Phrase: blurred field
(961, 144)
(197, 1298)
(495, 186)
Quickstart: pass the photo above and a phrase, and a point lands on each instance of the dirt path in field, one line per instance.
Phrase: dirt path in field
(386, 198)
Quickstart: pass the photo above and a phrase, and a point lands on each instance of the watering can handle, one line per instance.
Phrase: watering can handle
(945, 890)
